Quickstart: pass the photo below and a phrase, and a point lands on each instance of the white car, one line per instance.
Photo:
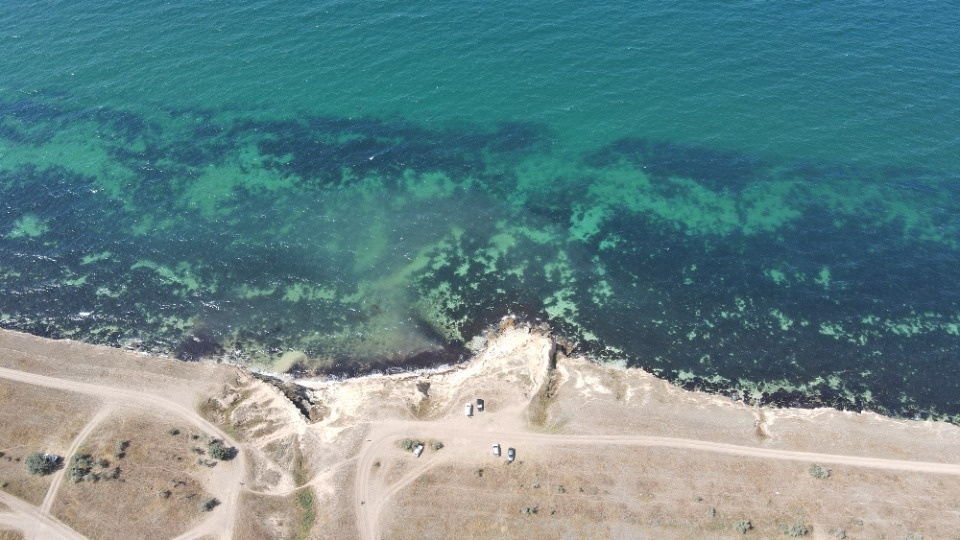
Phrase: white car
(418, 450)
(496, 449)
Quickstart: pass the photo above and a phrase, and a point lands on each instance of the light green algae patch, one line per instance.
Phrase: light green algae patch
(247, 292)
(823, 278)
(908, 210)
(217, 188)
(312, 293)
(75, 282)
(585, 222)
(786, 323)
(601, 292)
(682, 203)
(428, 185)
(778, 277)
(182, 276)
(77, 148)
(95, 257)
(765, 207)
(29, 226)
(442, 299)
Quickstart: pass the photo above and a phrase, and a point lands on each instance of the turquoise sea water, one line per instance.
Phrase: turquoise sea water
(739, 196)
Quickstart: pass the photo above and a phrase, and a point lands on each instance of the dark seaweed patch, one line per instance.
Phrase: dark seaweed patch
(200, 343)
(663, 320)
(717, 169)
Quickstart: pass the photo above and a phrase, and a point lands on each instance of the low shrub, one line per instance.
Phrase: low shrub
(409, 444)
(207, 504)
(795, 530)
(742, 526)
(819, 472)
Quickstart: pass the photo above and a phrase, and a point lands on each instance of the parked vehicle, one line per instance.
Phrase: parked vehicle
(511, 454)
(496, 449)
(418, 450)
(468, 409)
(479, 405)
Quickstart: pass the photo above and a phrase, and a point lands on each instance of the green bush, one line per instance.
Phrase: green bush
(437, 445)
(742, 526)
(795, 530)
(819, 472)
(37, 463)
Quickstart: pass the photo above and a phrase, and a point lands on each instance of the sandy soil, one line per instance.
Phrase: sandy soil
(601, 452)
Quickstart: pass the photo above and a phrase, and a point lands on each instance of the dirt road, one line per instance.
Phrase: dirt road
(74, 446)
(369, 499)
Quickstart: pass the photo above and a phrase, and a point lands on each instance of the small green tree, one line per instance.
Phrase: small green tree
(217, 450)
(37, 463)
(742, 526)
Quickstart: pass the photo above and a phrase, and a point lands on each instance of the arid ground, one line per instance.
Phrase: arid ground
(155, 448)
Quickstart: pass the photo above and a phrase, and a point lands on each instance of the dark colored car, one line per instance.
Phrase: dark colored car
(511, 454)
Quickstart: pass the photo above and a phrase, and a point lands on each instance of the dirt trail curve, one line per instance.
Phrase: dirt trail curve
(368, 501)
(221, 522)
(74, 446)
(31, 521)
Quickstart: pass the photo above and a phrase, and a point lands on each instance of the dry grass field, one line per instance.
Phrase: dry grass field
(36, 420)
(623, 492)
(6, 534)
(162, 469)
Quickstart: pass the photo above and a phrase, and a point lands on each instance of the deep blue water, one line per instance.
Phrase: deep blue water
(737, 196)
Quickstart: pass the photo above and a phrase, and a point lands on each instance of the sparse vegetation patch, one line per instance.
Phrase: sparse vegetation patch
(120, 449)
(307, 514)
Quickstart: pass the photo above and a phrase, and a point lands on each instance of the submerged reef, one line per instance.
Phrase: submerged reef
(374, 243)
